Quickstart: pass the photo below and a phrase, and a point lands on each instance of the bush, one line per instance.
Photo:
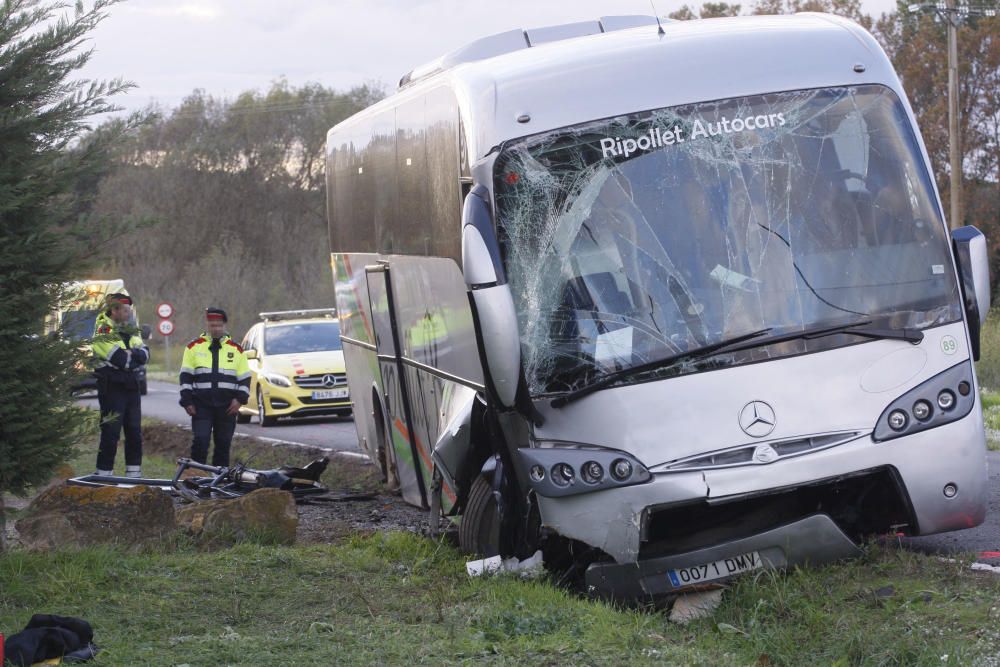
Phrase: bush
(988, 366)
(45, 235)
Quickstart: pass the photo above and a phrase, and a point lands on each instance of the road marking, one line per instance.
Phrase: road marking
(275, 442)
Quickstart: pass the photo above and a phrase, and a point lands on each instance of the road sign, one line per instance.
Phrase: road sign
(166, 327)
(165, 310)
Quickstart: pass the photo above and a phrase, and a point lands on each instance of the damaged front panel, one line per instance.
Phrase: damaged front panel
(636, 238)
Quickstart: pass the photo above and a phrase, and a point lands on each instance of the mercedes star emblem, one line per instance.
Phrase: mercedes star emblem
(765, 454)
(329, 381)
(757, 419)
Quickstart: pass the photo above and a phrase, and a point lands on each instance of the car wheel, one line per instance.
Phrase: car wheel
(262, 411)
(479, 530)
(242, 418)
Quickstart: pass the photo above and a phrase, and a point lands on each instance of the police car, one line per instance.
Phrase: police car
(297, 367)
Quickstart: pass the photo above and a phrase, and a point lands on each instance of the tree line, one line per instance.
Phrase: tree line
(236, 193)
(228, 196)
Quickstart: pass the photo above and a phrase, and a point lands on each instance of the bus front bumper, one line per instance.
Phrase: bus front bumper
(814, 540)
(924, 464)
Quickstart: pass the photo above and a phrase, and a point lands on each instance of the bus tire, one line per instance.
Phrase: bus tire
(390, 475)
(479, 529)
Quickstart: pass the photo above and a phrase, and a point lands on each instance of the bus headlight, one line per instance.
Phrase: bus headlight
(566, 470)
(946, 400)
(563, 474)
(592, 472)
(922, 410)
(944, 390)
(621, 469)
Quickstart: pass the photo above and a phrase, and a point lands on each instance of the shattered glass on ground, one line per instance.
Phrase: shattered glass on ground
(632, 239)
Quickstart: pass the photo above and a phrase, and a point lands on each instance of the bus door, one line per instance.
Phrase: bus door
(392, 383)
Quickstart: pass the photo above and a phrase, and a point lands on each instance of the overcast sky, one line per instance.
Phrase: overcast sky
(170, 47)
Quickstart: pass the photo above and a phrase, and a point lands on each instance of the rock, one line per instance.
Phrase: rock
(885, 592)
(59, 476)
(695, 605)
(267, 515)
(81, 515)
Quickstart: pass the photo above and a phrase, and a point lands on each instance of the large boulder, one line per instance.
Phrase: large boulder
(266, 515)
(81, 515)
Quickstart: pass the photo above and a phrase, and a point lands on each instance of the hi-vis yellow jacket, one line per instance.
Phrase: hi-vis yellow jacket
(214, 372)
(117, 349)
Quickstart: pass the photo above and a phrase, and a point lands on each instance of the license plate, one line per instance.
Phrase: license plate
(727, 567)
(328, 394)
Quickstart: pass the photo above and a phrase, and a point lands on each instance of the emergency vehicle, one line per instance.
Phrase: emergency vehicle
(297, 367)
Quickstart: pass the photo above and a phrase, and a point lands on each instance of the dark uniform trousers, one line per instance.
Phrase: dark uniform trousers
(206, 422)
(120, 407)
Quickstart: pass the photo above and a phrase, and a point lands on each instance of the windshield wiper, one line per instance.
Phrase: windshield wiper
(743, 342)
(858, 328)
(610, 378)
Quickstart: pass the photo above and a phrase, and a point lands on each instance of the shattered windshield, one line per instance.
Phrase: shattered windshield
(636, 238)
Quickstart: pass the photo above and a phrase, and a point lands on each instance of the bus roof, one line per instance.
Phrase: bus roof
(577, 79)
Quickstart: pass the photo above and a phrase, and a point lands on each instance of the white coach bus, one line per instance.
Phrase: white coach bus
(674, 302)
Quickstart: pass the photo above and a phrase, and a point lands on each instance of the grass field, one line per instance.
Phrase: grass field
(402, 599)
(397, 598)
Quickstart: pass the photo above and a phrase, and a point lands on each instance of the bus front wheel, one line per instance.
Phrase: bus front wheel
(479, 530)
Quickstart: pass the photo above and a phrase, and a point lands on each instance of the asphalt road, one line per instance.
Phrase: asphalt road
(333, 433)
(339, 435)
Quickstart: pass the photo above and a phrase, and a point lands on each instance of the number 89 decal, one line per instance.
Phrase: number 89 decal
(949, 345)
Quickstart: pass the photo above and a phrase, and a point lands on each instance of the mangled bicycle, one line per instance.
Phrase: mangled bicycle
(223, 481)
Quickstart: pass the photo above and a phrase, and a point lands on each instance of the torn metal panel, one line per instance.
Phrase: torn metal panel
(611, 520)
(640, 237)
(454, 443)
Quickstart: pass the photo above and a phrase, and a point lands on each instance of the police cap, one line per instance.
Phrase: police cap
(216, 314)
(118, 298)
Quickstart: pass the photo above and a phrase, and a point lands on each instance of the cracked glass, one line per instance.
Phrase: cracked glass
(636, 238)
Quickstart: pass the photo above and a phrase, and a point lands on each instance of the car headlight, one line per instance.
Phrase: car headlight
(277, 379)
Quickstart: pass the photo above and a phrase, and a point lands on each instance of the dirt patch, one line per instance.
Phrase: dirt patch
(319, 521)
(165, 440)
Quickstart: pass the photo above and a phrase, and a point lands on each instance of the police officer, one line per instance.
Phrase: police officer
(215, 382)
(118, 353)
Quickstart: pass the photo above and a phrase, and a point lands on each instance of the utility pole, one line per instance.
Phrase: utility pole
(954, 136)
(952, 14)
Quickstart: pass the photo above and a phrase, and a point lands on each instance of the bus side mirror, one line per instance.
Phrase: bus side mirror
(146, 332)
(492, 303)
(972, 257)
